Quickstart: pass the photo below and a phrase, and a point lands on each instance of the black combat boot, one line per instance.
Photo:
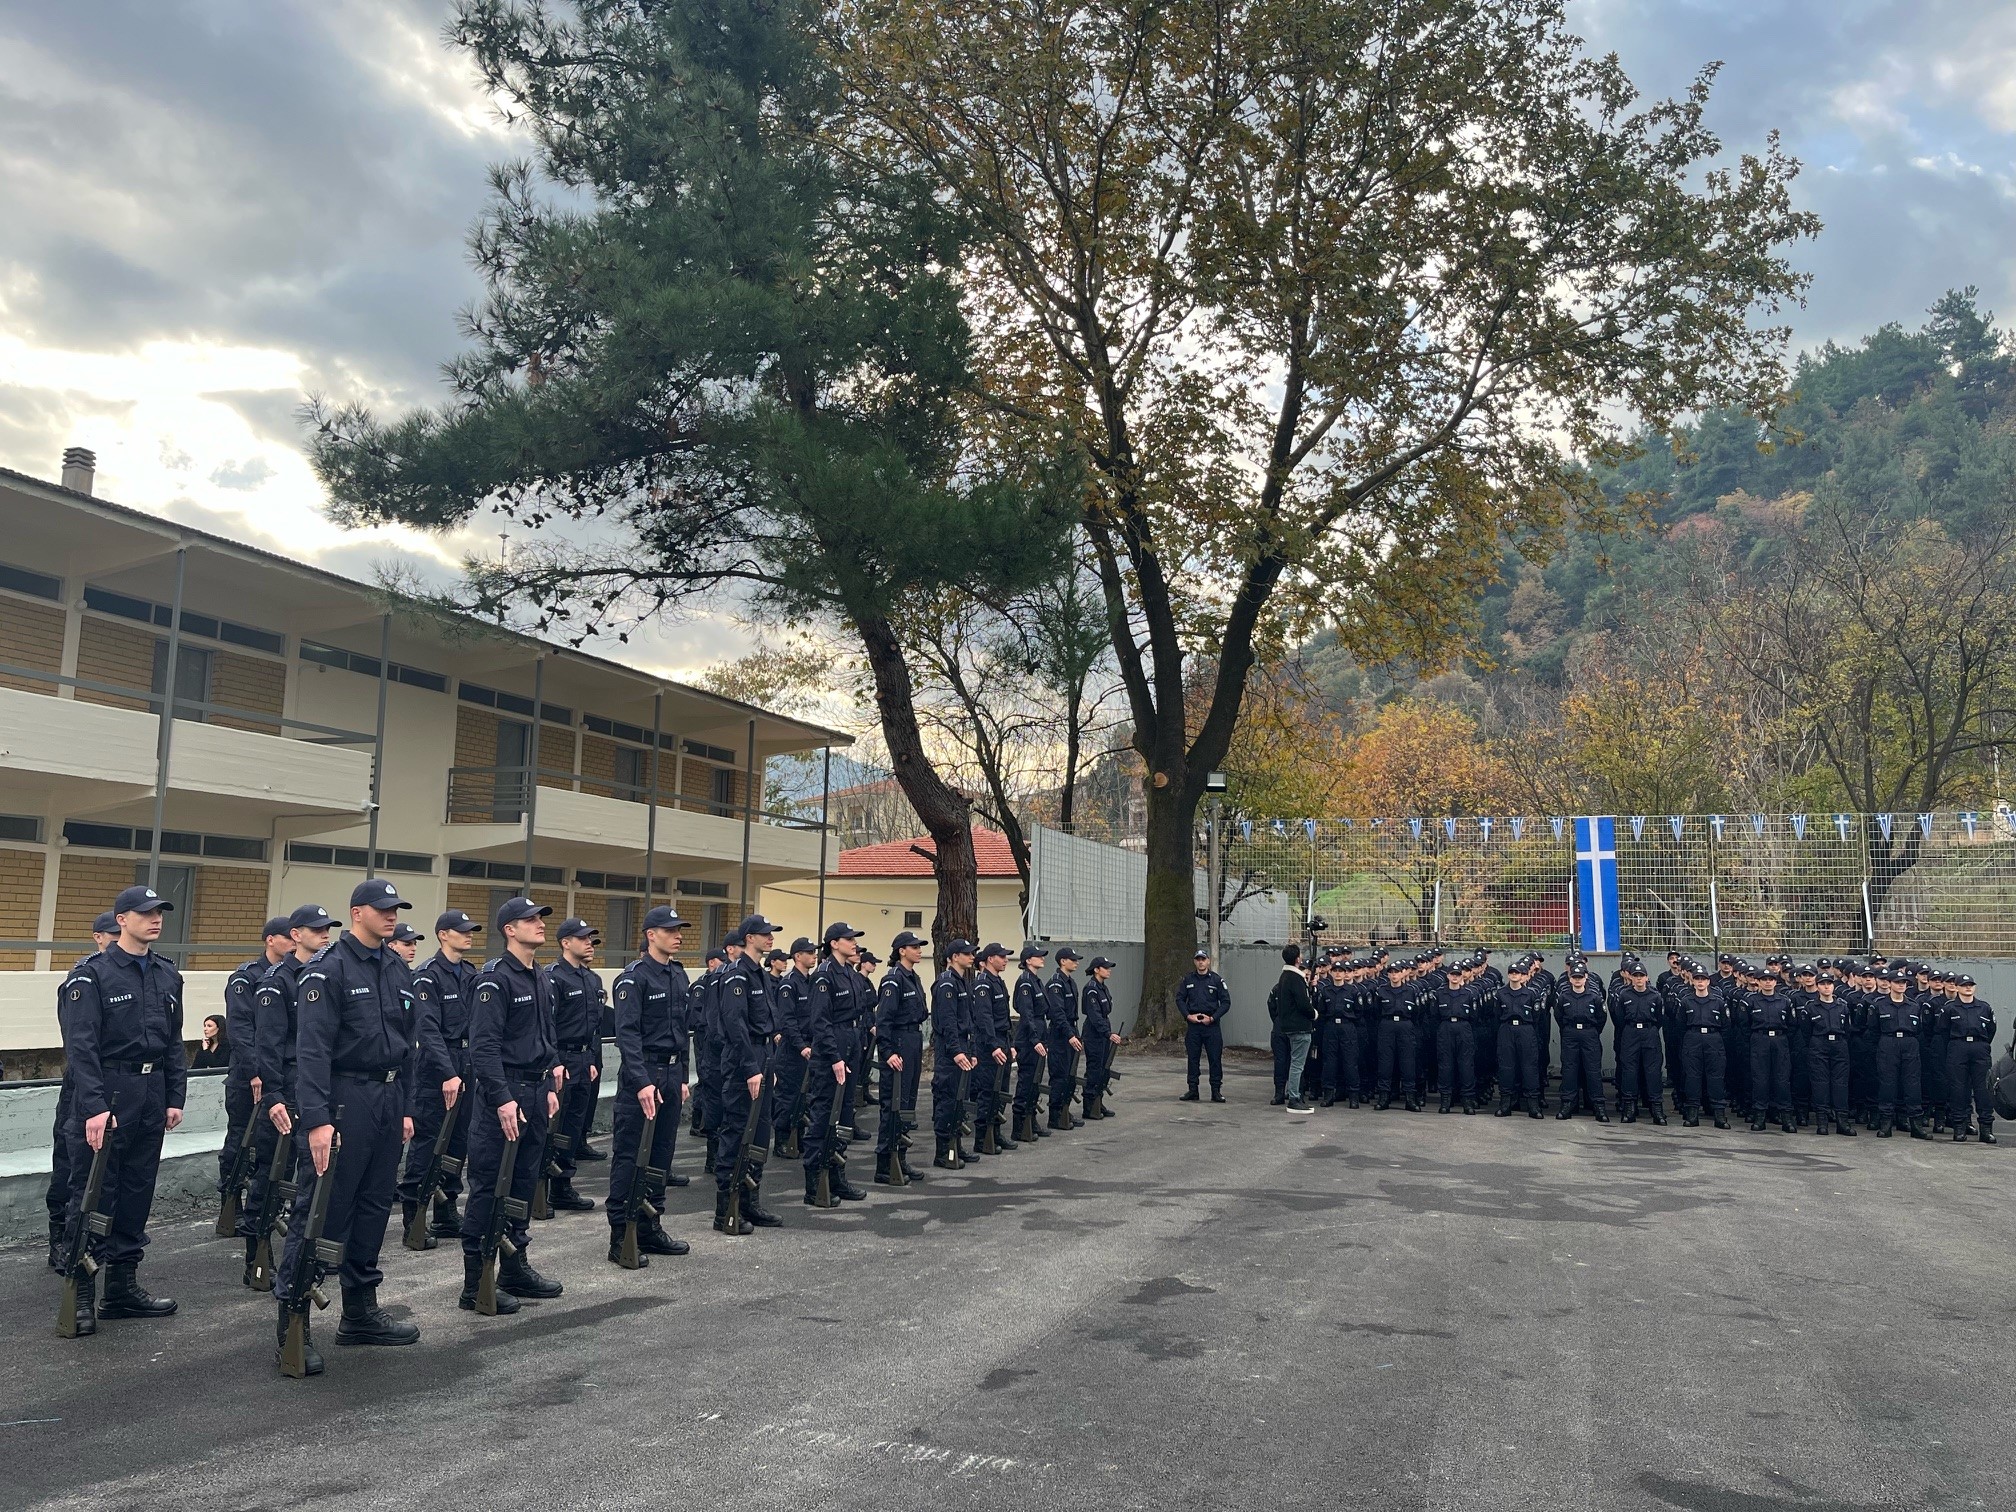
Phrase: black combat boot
(721, 1224)
(56, 1255)
(1382, 1102)
(1002, 1141)
(406, 1211)
(1533, 1107)
(125, 1297)
(311, 1358)
(566, 1200)
(1504, 1108)
(653, 1240)
(1691, 1119)
(1884, 1125)
(87, 1304)
(752, 1205)
(675, 1179)
(888, 1170)
(1757, 1121)
(1566, 1111)
(251, 1253)
(1659, 1114)
(472, 1280)
(1987, 1128)
(1444, 1107)
(1190, 1096)
(447, 1220)
(1845, 1126)
(1721, 1118)
(1627, 1112)
(1785, 1124)
(616, 1249)
(1469, 1105)
(903, 1158)
(1601, 1116)
(516, 1276)
(1918, 1129)
(813, 1196)
(1960, 1132)
(945, 1159)
(588, 1152)
(365, 1322)
(1217, 1094)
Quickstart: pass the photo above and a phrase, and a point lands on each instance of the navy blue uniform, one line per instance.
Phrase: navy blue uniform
(1393, 1008)
(706, 1059)
(1060, 1020)
(1029, 1027)
(651, 1004)
(1830, 1023)
(1704, 1051)
(1581, 1017)
(745, 1017)
(514, 1052)
(1204, 992)
(578, 1002)
(951, 1035)
(1097, 1003)
(831, 1026)
(1898, 1029)
(794, 1007)
(1639, 1018)
(57, 1196)
(1970, 1029)
(1337, 1028)
(441, 991)
(1521, 1010)
(1932, 1052)
(991, 1032)
(353, 1067)
(1456, 1044)
(899, 1030)
(122, 1037)
(1770, 1017)
(240, 1023)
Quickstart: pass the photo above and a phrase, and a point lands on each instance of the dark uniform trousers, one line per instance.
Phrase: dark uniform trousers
(1456, 1058)
(1827, 1067)
(1938, 1092)
(1030, 1070)
(1064, 1066)
(1278, 1043)
(1640, 1063)
(140, 1113)
(1704, 1056)
(980, 1088)
(1519, 1061)
(577, 1104)
(1200, 1040)
(946, 1081)
(1897, 1075)
(1737, 1041)
(370, 1118)
(264, 1138)
(1967, 1060)
(1098, 1065)
(57, 1197)
(735, 1103)
(486, 1154)
(791, 1070)
(910, 1045)
(889, 1127)
(707, 1091)
(237, 1113)
(1581, 1066)
(1340, 1059)
(1396, 1056)
(819, 1147)
(627, 1132)
(1771, 1071)
(428, 1111)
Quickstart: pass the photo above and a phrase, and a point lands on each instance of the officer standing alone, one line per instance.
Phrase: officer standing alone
(1203, 1000)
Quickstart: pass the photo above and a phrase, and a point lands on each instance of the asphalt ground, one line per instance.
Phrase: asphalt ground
(1185, 1306)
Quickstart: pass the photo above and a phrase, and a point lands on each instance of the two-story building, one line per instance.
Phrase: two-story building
(322, 729)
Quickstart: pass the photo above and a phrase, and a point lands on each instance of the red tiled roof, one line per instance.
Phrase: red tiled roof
(895, 858)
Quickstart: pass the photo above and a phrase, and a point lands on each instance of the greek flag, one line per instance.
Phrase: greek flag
(1596, 881)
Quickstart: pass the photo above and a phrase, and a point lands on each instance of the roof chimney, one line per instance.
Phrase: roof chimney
(80, 468)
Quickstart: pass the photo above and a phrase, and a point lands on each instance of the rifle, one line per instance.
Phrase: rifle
(234, 1182)
(959, 1122)
(639, 1201)
(857, 1068)
(502, 1211)
(312, 1260)
(824, 1191)
(274, 1207)
(791, 1142)
(1070, 1077)
(439, 1164)
(746, 1153)
(80, 1264)
(542, 1203)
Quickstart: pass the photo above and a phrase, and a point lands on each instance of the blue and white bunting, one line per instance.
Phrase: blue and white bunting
(1556, 822)
(1883, 825)
(1309, 829)
(1841, 825)
(1925, 825)
(1415, 825)
(1449, 828)
(1757, 823)
(1715, 823)
(1637, 826)
(1968, 820)
(1484, 823)
(1679, 823)
(1246, 829)
(1518, 826)
(1799, 826)
(1280, 827)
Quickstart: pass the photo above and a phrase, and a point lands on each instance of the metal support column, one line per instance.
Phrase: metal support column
(651, 799)
(825, 830)
(748, 815)
(378, 748)
(1215, 883)
(166, 740)
(532, 765)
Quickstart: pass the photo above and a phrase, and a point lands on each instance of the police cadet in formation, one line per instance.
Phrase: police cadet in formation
(706, 1053)
(1970, 1029)
(405, 945)
(653, 1005)
(242, 1085)
(353, 1060)
(1100, 1040)
(1522, 1008)
(104, 930)
(744, 1026)
(276, 1007)
(519, 1077)
(794, 1048)
(1394, 1007)
(1578, 1008)
(1703, 1013)
(834, 995)
(1337, 1008)
(578, 997)
(1203, 1000)
(1830, 1027)
(952, 1052)
(862, 1089)
(1032, 1050)
(442, 1076)
(1456, 1011)
(994, 1020)
(1638, 1013)
(1060, 1015)
(900, 1010)
(1769, 1015)
(121, 1016)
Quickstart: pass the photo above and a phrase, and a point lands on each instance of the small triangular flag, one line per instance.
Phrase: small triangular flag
(1518, 827)
(1679, 824)
(1883, 824)
(1799, 826)
(1637, 826)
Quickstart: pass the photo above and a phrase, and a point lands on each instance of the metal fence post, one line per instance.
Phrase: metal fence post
(164, 745)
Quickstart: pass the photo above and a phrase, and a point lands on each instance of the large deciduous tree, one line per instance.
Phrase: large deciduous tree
(715, 362)
(1327, 295)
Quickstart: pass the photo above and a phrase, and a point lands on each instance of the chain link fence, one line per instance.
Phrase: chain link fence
(1913, 884)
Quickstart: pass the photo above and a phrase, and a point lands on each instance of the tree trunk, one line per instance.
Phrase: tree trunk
(1169, 909)
(1067, 802)
(946, 814)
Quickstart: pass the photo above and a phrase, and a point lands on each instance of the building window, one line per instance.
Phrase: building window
(514, 756)
(512, 703)
(105, 601)
(712, 753)
(622, 931)
(21, 827)
(355, 661)
(119, 837)
(724, 792)
(192, 677)
(178, 885)
(913, 918)
(633, 772)
(352, 857)
(34, 584)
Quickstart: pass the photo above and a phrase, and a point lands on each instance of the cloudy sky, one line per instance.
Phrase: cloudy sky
(209, 208)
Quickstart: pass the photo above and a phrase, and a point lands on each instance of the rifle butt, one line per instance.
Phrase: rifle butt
(262, 1264)
(66, 1309)
(630, 1259)
(419, 1236)
(486, 1287)
(293, 1349)
(227, 1214)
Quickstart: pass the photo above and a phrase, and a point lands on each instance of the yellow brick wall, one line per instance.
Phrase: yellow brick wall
(556, 753)
(229, 908)
(697, 786)
(20, 904)
(31, 635)
(598, 760)
(474, 900)
(247, 682)
(110, 652)
(85, 888)
(475, 746)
